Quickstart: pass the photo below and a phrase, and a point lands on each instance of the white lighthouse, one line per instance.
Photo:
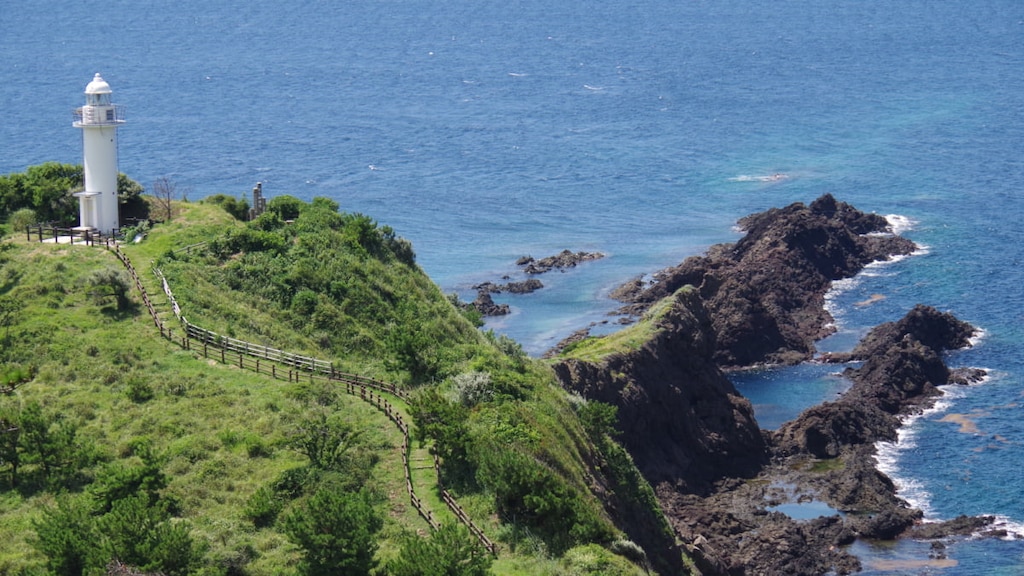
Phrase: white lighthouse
(99, 119)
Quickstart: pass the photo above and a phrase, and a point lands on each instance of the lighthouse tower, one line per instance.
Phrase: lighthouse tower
(99, 119)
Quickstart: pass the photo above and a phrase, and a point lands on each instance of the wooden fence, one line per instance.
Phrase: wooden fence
(453, 505)
(54, 233)
(265, 360)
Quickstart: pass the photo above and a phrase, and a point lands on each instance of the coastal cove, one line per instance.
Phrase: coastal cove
(642, 131)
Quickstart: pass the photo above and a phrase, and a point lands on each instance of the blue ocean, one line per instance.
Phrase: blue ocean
(484, 131)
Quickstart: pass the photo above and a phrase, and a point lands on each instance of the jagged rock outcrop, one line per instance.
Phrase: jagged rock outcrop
(765, 293)
(561, 261)
(902, 369)
(901, 373)
(761, 300)
(681, 418)
(524, 287)
(485, 305)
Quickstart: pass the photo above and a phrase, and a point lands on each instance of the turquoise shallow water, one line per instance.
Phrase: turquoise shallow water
(486, 131)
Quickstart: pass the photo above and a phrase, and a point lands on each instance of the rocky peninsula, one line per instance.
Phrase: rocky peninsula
(718, 477)
(766, 292)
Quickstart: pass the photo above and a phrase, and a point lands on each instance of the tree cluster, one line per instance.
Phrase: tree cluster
(119, 520)
(39, 448)
(43, 193)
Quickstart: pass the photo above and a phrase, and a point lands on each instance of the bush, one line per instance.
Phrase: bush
(239, 209)
(337, 533)
(445, 423)
(22, 219)
(304, 303)
(529, 492)
(263, 507)
(472, 388)
(75, 540)
(286, 207)
(67, 534)
(139, 390)
(326, 441)
(144, 536)
(111, 283)
(450, 551)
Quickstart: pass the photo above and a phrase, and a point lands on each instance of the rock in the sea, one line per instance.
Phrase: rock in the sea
(900, 373)
(561, 261)
(485, 305)
(937, 330)
(525, 287)
(959, 526)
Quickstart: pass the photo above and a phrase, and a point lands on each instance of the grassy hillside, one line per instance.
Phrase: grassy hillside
(121, 432)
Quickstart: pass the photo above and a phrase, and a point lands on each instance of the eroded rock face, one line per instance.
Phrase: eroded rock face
(902, 371)
(682, 420)
(761, 300)
(765, 293)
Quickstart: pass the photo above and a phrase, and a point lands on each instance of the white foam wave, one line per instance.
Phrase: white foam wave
(900, 224)
(1014, 529)
(759, 178)
(976, 339)
(837, 289)
(889, 454)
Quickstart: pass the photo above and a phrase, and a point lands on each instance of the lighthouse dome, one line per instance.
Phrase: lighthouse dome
(98, 86)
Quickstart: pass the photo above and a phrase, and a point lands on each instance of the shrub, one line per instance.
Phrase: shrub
(445, 423)
(450, 551)
(144, 536)
(139, 390)
(111, 283)
(239, 209)
(22, 219)
(472, 388)
(66, 534)
(531, 493)
(337, 533)
(304, 303)
(286, 207)
(263, 507)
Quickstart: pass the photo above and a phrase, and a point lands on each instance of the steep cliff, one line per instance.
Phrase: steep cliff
(680, 417)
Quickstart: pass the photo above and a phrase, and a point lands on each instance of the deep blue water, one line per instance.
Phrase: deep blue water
(483, 131)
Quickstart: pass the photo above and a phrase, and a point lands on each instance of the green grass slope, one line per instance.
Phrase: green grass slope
(116, 423)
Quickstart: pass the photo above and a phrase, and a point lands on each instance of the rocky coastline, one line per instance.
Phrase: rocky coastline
(766, 292)
(718, 477)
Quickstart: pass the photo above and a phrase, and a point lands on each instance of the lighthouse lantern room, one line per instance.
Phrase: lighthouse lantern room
(99, 119)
